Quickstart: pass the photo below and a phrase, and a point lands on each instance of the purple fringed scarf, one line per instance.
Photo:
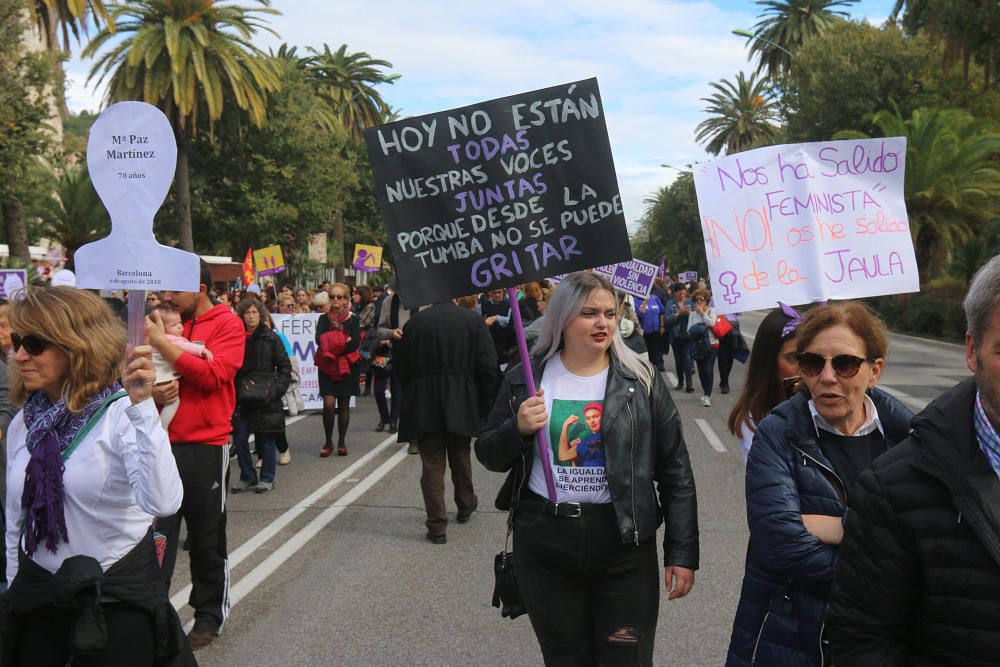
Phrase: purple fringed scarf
(51, 429)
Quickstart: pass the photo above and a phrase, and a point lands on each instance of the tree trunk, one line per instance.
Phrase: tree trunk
(338, 239)
(183, 196)
(17, 232)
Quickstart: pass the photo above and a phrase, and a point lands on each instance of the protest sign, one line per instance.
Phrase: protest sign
(806, 222)
(131, 156)
(65, 278)
(12, 280)
(498, 193)
(269, 260)
(634, 276)
(300, 329)
(367, 258)
(687, 276)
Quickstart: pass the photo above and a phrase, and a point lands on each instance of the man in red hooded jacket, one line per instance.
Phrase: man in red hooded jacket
(199, 433)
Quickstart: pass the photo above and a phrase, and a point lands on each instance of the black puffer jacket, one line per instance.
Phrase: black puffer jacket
(789, 571)
(919, 575)
(266, 354)
(643, 444)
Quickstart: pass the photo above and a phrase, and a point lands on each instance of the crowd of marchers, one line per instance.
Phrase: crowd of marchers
(874, 534)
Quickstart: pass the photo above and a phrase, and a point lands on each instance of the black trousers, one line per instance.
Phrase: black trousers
(204, 471)
(592, 600)
(727, 348)
(44, 639)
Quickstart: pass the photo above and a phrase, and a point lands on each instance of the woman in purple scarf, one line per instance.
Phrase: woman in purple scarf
(88, 467)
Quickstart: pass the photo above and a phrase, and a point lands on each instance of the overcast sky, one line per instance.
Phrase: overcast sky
(654, 60)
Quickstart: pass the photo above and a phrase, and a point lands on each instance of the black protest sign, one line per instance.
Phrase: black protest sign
(499, 193)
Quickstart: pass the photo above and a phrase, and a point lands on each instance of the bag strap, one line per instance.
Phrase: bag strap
(121, 393)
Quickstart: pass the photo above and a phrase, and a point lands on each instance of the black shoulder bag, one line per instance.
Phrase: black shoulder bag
(506, 594)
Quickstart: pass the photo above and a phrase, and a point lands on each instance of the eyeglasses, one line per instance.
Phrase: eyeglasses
(844, 365)
(33, 345)
(338, 296)
(699, 300)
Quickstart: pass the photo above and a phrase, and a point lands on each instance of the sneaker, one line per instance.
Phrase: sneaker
(199, 639)
(241, 486)
(285, 457)
(380, 427)
(264, 487)
(706, 401)
(327, 450)
(437, 539)
(412, 448)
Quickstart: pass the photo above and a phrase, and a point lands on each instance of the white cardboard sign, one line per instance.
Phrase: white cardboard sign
(131, 155)
(801, 223)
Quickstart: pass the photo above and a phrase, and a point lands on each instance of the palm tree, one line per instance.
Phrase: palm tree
(346, 84)
(74, 215)
(952, 182)
(742, 115)
(784, 24)
(55, 17)
(186, 57)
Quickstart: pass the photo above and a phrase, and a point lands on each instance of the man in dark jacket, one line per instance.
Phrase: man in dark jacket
(919, 575)
(448, 366)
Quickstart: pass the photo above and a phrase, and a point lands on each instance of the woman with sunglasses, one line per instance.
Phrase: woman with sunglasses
(806, 457)
(88, 467)
(338, 335)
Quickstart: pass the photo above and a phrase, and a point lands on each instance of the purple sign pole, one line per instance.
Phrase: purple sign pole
(541, 436)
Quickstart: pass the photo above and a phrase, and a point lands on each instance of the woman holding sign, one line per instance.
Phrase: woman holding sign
(88, 467)
(586, 559)
(806, 457)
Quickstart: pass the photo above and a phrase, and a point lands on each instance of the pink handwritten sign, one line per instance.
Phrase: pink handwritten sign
(802, 223)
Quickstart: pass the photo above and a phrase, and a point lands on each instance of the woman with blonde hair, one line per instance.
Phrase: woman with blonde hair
(86, 474)
(338, 335)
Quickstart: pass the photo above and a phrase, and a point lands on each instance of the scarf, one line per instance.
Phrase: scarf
(51, 430)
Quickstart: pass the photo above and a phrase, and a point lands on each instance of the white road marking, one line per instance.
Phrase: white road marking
(710, 435)
(672, 378)
(914, 402)
(288, 549)
(180, 598)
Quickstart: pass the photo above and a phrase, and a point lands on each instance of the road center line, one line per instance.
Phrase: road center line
(914, 402)
(710, 435)
(180, 598)
(672, 378)
(271, 564)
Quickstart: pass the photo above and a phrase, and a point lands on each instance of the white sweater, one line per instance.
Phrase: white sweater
(120, 477)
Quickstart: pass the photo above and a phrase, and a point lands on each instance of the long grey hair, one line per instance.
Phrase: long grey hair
(565, 304)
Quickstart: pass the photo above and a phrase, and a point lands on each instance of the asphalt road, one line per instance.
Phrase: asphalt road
(332, 568)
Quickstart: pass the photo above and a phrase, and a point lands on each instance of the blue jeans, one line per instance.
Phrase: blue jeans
(706, 371)
(267, 445)
(683, 361)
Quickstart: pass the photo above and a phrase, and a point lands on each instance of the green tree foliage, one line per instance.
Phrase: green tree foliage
(24, 138)
(671, 226)
(346, 83)
(64, 17)
(275, 184)
(76, 130)
(952, 183)
(842, 77)
(186, 57)
(784, 25)
(742, 115)
(74, 215)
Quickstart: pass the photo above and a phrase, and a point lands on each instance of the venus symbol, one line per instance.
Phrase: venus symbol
(728, 281)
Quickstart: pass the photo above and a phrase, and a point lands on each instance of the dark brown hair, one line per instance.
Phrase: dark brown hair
(856, 316)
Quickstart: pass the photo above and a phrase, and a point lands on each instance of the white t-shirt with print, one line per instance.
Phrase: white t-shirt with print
(575, 404)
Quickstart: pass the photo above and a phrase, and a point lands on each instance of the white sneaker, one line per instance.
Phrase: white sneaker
(285, 457)
(706, 401)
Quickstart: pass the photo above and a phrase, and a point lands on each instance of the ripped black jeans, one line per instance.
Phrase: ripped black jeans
(592, 600)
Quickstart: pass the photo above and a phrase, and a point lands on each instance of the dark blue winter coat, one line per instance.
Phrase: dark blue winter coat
(789, 571)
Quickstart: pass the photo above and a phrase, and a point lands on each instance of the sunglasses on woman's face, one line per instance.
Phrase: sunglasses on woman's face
(844, 365)
(33, 345)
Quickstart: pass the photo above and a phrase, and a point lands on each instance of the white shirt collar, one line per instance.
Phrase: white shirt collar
(871, 424)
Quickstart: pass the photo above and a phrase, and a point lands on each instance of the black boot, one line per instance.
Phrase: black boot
(689, 388)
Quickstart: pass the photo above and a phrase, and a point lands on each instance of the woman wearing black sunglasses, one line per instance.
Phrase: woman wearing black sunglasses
(88, 467)
(806, 457)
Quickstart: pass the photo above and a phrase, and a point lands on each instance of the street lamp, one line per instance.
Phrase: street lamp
(743, 32)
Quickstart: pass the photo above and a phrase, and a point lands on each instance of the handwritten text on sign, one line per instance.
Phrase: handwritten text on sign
(499, 193)
(806, 222)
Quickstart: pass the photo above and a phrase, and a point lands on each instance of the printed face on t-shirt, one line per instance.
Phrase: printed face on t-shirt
(593, 419)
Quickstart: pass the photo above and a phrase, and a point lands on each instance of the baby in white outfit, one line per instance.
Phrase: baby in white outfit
(165, 372)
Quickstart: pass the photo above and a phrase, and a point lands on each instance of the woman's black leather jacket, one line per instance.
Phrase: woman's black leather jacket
(643, 444)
